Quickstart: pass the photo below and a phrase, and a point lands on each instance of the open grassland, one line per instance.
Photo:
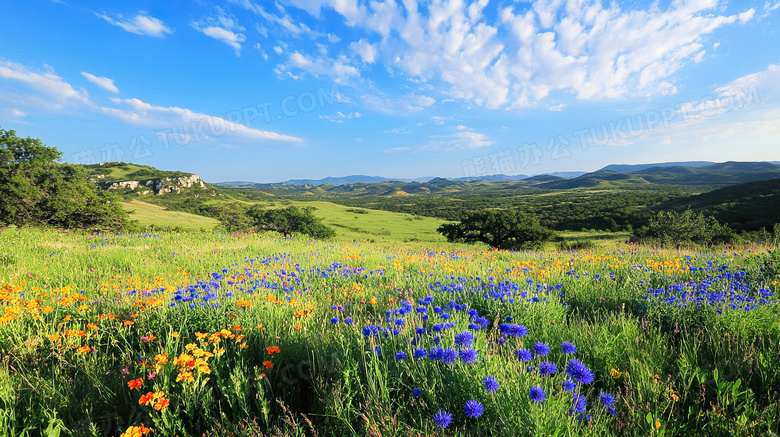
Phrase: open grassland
(157, 216)
(205, 333)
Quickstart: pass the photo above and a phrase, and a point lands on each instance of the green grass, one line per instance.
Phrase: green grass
(153, 215)
(83, 315)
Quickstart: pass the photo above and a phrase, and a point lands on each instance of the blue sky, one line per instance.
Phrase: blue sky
(273, 90)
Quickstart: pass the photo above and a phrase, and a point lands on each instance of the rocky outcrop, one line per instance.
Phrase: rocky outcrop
(159, 186)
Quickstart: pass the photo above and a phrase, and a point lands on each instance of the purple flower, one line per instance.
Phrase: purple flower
(491, 384)
(568, 348)
(468, 355)
(442, 419)
(473, 409)
(541, 349)
(523, 355)
(537, 394)
(579, 372)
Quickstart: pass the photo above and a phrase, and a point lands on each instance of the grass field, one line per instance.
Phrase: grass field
(153, 215)
(204, 333)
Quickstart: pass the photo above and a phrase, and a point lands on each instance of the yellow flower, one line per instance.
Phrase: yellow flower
(657, 425)
(615, 373)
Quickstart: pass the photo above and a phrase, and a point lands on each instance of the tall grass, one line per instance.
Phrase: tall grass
(255, 335)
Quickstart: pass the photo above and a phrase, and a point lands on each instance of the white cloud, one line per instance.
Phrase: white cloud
(339, 116)
(339, 68)
(140, 24)
(464, 139)
(15, 113)
(365, 50)
(46, 83)
(102, 82)
(145, 114)
(222, 27)
(522, 54)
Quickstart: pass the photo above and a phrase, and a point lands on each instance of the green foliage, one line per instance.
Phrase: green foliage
(507, 229)
(36, 190)
(233, 217)
(290, 220)
(670, 228)
(576, 245)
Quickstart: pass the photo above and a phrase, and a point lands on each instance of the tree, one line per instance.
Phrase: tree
(233, 217)
(505, 229)
(670, 228)
(37, 190)
(289, 220)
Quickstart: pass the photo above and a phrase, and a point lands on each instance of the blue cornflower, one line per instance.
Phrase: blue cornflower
(416, 392)
(378, 351)
(537, 394)
(523, 355)
(370, 330)
(464, 339)
(348, 321)
(442, 419)
(568, 348)
(400, 355)
(334, 320)
(578, 403)
(449, 355)
(547, 368)
(541, 349)
(436, 354)
(568, 385)
(400, 322)
(579, 372)
(468, 355)
(606, 399)
(419, 353)
(491, 384)
(473, 409)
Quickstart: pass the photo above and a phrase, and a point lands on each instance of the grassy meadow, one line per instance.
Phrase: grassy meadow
(204, 333)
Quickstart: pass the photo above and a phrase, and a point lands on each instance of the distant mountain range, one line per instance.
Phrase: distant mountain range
(363, 179)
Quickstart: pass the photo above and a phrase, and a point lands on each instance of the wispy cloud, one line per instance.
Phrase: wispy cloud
(102, 82)
(140, 24)
(136, 111)
(339, 116)
(222, 27)
(46, 83)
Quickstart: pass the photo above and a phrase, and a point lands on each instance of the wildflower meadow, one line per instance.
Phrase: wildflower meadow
(195, 334)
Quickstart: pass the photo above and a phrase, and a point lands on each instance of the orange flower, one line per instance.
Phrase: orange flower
(161, 404)
(92, 326)
(237, 328)
(273, 350)
(268, 364)
(136, 431)
(83, 349)
(136, 383)
(161, 359)
(175, 335)
(184, 376)
(127, 322)
(145, 399)
(244, 303)
(54, 337)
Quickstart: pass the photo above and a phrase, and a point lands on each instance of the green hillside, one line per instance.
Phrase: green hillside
(148, 214)
(123, 171)
(748, 206)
